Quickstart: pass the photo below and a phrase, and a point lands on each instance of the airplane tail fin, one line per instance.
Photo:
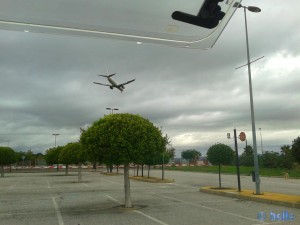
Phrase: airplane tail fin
(110, 75)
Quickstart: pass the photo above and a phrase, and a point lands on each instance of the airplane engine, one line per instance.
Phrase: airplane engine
(123, 86)
(111, 87)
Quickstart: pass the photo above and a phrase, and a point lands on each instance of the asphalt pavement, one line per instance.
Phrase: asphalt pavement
(53, 198)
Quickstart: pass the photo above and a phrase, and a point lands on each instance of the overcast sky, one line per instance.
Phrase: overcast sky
(196, 96)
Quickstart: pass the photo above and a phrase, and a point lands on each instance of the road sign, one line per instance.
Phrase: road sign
(242, 136)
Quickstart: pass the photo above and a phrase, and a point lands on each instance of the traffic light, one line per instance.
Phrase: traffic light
(208, 17)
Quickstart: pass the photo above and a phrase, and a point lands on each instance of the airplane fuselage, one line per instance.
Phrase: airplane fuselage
(114, 84)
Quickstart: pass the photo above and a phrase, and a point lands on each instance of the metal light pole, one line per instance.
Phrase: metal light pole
(112, 110)
(55, 138)
(262, 151)
(257, 180)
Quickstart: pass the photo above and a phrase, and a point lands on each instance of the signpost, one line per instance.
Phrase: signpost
(242, 137)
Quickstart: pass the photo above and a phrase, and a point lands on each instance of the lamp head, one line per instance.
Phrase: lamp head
(254, 9)
(250, 8)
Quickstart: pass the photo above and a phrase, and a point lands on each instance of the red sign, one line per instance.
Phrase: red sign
(242, 136)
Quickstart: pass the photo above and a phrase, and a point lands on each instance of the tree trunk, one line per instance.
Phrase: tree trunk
(137, 170)
(220, 176)
(95, 166)
(142, 170)
(117, 168)
(148, 170)
(2, 171)
(67, 169)
(111, 168)
(128, 203)
(79, 172)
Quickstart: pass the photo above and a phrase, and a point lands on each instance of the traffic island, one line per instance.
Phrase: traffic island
(152, 179)
(266, 197)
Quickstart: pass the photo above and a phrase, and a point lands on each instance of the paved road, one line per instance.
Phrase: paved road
(52, 198)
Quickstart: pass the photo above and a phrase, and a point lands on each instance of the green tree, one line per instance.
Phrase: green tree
(286, 149)
(171, 152)
(190, 155)
(270, 159)
(7, 157)
(296, 149)
(247, 157)
(52, 155)
(286, 157)
(73, 153)
(128, 138)
(220, 154)
(30, 157)
(91, 144)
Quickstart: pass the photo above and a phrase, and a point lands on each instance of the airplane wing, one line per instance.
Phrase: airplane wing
(126, 82)
(102, 84)
(110, 75)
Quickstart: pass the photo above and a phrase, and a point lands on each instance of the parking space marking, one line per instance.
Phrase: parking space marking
(264, 223)
(113, 199)
(150, 217)
(139, 212)
(206, 207)
(58, 213)
(115, 182)
(13, 186)
(84, 184)
(48, 184)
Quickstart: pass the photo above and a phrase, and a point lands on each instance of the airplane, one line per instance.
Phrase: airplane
(113, 84)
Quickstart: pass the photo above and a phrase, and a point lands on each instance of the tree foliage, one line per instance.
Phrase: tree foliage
(220, 154)
(247, 157)
(272, 159)
(52, 155)
(296, 149)
(171, 152)
(7, 157)
(190, 155)
(72, 153)
(124, 139)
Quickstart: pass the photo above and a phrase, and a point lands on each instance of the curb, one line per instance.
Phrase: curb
(232, 192)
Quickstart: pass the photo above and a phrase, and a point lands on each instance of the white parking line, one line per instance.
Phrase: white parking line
(84, 184)
(206, 207)
(264, 223)
(111, 198)
(13, 186)
(48, 184)
(115, 182)
(139, 212)
(150, 217)
(58, 213)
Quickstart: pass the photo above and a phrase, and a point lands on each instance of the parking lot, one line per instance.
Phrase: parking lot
(53, 198)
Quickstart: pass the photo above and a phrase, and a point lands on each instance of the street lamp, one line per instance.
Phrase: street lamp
(256, 10)
(55, 138)
(112, 110)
